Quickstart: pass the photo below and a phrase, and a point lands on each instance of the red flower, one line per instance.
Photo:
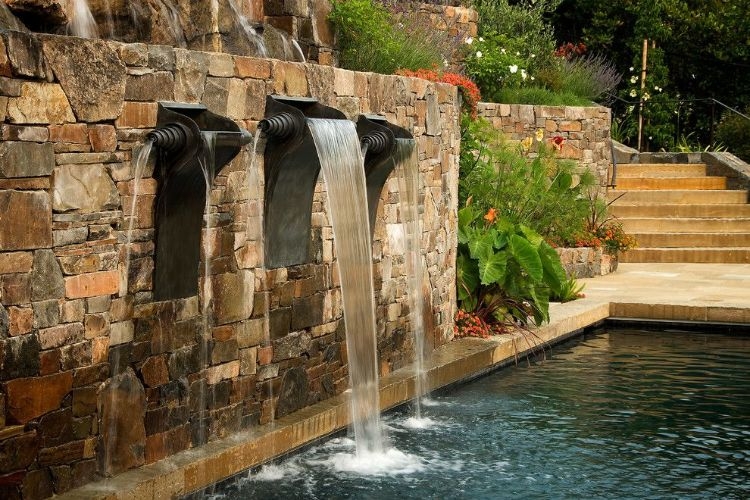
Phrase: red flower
(557, 142)
(491, 215)
(468, 88)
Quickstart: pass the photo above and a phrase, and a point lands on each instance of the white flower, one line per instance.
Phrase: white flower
(531, 78)
(469, 41)
(479, 54)
(445, 63)
(646, 96)
(502, 51)
(518, 53)
(633, 93)
(632, 68)
(481, 39)
(513, 68)
(523, 74)
(630, 109)
(532, 56)
(633, 79)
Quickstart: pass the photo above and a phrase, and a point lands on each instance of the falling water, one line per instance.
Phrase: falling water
(208, 167)
(81, 23)
(407, 169)
(254, 183)
(172, 17)
(252, 36)
(342, 165)
(109, 20)
(140, 161)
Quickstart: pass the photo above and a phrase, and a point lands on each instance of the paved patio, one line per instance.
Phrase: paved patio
(679, 292)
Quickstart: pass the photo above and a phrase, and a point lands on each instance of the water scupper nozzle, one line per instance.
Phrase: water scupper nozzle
(224, 138)
(171, 137)
(376, 141)
(281, 125)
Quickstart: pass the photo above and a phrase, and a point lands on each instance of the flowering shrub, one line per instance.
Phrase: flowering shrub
(469, 90)
(570, 50)
(494, 62)
(469, 324)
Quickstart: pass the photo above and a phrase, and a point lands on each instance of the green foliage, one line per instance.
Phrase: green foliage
(570, 290)
(505, 271)
(370, 39)
(530, 187)
(539, 96)
(496, 62)
(684, 60)
(734, 133)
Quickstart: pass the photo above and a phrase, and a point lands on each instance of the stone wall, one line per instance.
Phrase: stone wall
(584, 129)
(587, 262)
(95, 376)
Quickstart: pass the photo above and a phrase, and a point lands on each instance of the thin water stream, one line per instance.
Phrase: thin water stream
(407, 171)
(342, 165)
(81, 23)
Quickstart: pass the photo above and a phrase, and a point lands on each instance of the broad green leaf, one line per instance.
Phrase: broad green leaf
(563, 181)
(467, 276)
(554, 274)
(501, 240)
(480, 247)
(465, 216)
(534, 238)
(527, 256)
(492, 270)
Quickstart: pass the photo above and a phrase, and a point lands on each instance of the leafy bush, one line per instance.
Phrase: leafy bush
(525, 182)
(505, 271)
(370, 39)
(733, 132)
(539, 96)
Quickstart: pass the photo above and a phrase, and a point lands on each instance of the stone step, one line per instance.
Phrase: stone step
(678, 196)
(660, 170)
(704, 182)
(686, 225)
(681, 240)
(692, 255)
(677, 210)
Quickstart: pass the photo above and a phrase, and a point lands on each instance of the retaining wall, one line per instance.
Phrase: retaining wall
(95, 376)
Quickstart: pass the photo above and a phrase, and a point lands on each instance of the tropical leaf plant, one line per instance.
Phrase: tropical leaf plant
(505, 271)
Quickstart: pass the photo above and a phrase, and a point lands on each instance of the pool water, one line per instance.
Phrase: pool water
(614, 414)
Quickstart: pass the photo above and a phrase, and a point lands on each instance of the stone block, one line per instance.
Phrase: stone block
(28, 398)
(20, 357)
(291, 346)
(26, 159)
(137, 115)
(60, 335)
(18, 452)
(46, 277)
(20, 320)
(16, 262)
(46, 313)
(102, 137)
(251, 333)
(25, 55)
(121, 332)
(250, 67)
(92, 284)
(122, 406)
(40, 103)
(27, 133)
(25, 220)
(248, 361)
(221, 352)
(307, 311)
(190, 76)
(293, 394)
(15, 288)
(86, 188)
(233, 293)
(155, 371)
(95, 89)
(158, 86)
(215, 374)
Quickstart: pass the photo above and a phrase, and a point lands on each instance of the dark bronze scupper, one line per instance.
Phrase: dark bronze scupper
(193, 145)
(291, 171)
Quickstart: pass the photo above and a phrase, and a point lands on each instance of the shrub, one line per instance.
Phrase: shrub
(524, 182)
(468, 89)
(370, 38)
(733, 132)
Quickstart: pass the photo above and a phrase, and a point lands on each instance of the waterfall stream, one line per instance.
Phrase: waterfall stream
(342, 165)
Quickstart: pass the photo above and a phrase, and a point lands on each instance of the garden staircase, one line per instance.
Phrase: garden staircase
(677, 213)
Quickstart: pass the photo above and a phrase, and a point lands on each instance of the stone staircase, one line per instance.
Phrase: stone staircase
(677, 213)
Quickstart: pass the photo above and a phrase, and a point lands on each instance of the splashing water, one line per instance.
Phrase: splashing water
(407, 169)
(342, 165)
(252, 35)
(81, 23)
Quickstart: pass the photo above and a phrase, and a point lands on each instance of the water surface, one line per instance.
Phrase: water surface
(616, 414)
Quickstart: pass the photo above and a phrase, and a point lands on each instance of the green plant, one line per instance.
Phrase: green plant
(369, 38)
(524, 182)
(687, 143)
(570, 290)
(588, 77)
(734, 132)
(505, 271)
(539, 96)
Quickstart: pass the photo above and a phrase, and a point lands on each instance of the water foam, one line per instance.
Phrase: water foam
(389, 462)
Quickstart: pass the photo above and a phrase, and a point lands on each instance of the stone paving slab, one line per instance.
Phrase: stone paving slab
(680, 292)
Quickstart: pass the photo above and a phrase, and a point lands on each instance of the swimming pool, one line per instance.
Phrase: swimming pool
(614, 414)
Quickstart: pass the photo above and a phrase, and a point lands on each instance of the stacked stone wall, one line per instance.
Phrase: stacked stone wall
(95, 376)
(585, 130)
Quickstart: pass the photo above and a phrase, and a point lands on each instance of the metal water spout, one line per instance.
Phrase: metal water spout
(193, 144)
(291, 166)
